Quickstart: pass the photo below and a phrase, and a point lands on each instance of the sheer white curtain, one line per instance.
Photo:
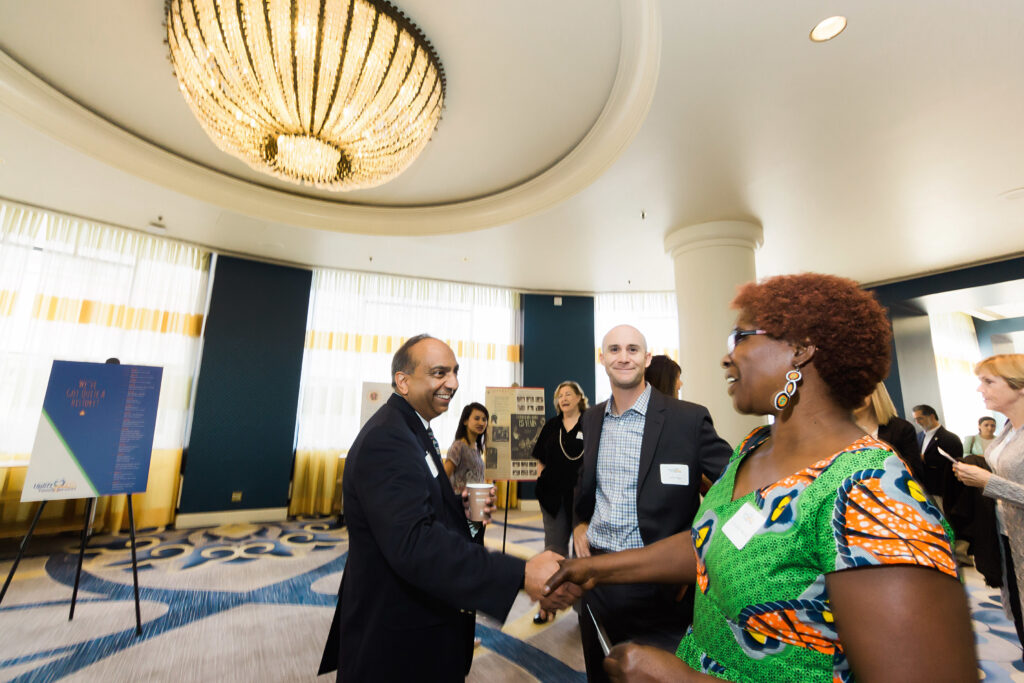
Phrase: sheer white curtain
(75, 290)
(653, 313)
(955, 343)
(356, 323)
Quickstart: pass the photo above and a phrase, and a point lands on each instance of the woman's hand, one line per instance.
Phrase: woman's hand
(558, 596)
(579, 572)
(971, 475)
(632, 663)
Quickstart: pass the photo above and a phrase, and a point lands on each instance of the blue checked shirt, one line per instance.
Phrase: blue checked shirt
(614, 525)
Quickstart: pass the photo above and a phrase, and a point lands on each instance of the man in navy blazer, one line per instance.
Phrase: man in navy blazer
(414, 576)
(643, 457)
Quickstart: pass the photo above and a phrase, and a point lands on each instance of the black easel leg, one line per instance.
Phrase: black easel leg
(81, 554)
(504, 531)
(21, 549)
(135, 567)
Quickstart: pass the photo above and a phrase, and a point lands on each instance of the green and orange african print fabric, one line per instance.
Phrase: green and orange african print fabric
(762, 612)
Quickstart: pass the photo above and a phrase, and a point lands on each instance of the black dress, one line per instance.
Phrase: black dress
(561, 454)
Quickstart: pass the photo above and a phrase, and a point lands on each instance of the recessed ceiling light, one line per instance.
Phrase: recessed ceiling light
(827, 29)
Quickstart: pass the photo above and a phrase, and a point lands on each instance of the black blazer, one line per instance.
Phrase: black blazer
(902, 436)
(937, 472)
(413, 575)
(675, 432)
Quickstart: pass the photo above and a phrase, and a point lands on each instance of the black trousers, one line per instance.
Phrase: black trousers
(1011, 586)
(643, 613)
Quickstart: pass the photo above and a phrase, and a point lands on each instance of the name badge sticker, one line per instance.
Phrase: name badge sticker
(743, 525)
(678, 475)
(431, 465)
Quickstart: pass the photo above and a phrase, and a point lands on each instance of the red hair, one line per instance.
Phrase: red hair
(846, 324)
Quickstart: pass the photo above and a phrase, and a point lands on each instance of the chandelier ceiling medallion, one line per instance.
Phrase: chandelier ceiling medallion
(338, 94)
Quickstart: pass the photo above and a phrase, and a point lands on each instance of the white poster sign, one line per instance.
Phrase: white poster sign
(375, 394)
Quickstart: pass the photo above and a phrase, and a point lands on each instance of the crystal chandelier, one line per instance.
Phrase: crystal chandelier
(339, 94)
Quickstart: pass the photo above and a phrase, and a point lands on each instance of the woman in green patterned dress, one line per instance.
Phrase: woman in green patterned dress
(816, 556)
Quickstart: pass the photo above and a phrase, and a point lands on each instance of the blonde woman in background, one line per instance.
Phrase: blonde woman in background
(877, 416)
(1002, 388)
(559, 450)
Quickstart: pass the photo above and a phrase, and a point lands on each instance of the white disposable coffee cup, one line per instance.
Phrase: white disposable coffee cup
(478, 494)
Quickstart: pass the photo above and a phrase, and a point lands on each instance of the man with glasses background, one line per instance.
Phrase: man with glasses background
(643, 457)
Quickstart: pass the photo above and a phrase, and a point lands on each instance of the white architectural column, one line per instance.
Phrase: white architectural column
(711, 260)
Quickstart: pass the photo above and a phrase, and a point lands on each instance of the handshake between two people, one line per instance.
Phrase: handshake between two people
(540, 569)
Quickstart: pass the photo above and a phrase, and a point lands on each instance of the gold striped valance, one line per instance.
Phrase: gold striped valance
(388, 344)
(86, 311)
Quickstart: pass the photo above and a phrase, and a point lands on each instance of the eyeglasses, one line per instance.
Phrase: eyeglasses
(737, 334)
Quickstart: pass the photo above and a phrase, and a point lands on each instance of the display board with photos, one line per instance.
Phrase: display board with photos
(517, 416)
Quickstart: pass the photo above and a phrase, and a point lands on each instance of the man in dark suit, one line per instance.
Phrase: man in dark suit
(643, 457)
(414, 575)
(936, 471)
(937, 474)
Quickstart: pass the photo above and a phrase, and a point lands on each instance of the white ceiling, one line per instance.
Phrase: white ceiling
(885, 153)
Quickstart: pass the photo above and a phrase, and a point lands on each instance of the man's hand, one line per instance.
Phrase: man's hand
(538, 569)
(579, 540)
(632, 663)
(488, 504)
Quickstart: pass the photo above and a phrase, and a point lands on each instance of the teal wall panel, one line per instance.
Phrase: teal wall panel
(243, 427)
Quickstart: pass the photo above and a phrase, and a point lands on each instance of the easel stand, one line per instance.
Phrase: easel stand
(91, 502)
(21, 549)
(504, 529)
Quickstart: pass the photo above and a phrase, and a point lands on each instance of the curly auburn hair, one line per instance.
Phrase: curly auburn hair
(846, 324)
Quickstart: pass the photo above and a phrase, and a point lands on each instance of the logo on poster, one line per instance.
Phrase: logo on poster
(56, 486)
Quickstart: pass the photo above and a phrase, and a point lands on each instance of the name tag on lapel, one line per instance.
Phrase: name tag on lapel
(743, 525)
(430, 463)
(678, 475)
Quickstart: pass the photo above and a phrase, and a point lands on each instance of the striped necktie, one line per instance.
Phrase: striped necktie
(437, 448)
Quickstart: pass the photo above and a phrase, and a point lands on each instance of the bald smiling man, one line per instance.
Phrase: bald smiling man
(643, 457)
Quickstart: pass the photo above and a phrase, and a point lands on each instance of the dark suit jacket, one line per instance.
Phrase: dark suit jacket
(413, 575)
(937, 472)
(675, 432)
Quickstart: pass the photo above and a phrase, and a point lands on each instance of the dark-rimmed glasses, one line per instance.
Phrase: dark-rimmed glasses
(737, 334)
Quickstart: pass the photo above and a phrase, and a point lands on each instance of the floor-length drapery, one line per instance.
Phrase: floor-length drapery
(71, 289)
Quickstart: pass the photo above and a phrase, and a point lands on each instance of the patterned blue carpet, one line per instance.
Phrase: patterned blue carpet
(253, 602)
